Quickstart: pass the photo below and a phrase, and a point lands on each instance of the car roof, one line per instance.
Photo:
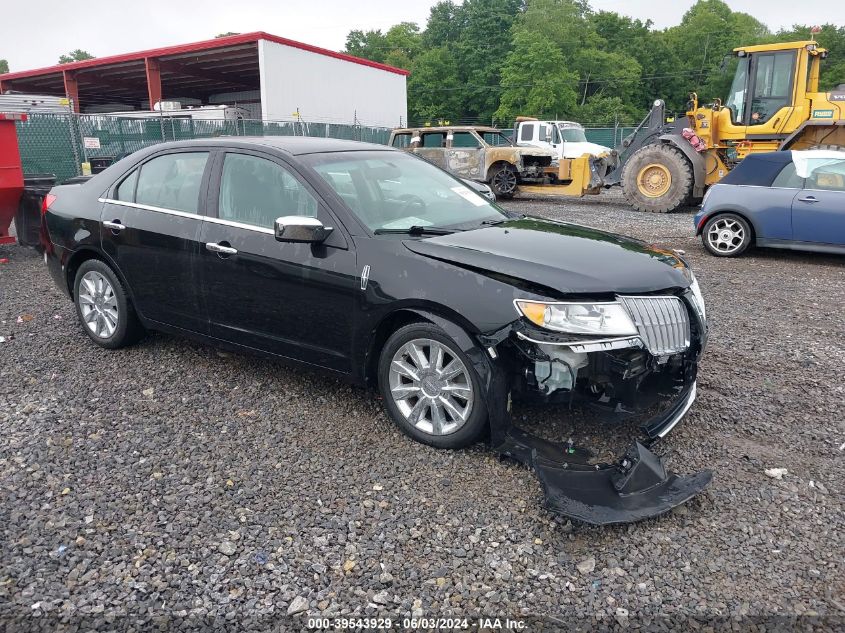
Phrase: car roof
(446, 128)
(294, 145)
(761, 169)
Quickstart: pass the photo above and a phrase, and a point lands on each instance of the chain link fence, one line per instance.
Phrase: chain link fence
(58, 143)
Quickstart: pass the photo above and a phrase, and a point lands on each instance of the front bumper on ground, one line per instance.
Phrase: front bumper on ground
(638, 485)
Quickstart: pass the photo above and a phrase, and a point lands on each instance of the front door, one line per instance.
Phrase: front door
(818, 212)
(295, 300)
(465, 156)
(151, 228)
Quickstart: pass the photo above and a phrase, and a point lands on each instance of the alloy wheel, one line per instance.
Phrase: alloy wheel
(431, 386)
(98, 304)
(504, 181)
(726, 235)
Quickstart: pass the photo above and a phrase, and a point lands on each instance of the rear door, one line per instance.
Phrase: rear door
(151, 226)
(295, 300)
(432, 147)
(818, 212)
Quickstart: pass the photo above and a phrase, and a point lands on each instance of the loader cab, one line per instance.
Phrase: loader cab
(768, 96)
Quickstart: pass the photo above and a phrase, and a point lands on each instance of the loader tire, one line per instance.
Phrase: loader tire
(657, 179)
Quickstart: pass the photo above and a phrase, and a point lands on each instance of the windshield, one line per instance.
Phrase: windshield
(736, 96)
(572, 134)
(396, 191)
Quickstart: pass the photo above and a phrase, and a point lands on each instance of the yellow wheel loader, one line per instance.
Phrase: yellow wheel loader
(774, 103)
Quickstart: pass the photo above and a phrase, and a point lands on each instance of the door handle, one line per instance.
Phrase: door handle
(808, 199)
(114, 225)
(214, 247)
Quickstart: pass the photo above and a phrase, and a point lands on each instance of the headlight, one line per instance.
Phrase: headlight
(699, 298)
(608, 319)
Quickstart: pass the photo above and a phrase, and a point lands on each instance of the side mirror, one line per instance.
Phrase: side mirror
(300, 228)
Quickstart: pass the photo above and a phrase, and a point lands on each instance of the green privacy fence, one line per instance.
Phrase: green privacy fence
(607, 136)
(59, 143)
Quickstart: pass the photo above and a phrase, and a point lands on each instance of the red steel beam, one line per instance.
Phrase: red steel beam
(153, 80)
(71, 88)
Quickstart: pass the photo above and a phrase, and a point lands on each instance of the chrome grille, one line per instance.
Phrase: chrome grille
(663, 323)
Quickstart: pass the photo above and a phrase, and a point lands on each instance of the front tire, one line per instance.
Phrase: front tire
(430, 388)
(658, 179)
(503, 181)
(726, 235)
(103, 307)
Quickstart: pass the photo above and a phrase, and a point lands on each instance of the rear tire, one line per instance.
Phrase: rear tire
(430, 388)
(503, 181)
(727, 235)
(103, 307)
(658, 179)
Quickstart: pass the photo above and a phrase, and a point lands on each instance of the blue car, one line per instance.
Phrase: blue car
(793, 200)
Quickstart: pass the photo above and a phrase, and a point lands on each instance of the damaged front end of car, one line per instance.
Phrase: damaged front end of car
(645, 376)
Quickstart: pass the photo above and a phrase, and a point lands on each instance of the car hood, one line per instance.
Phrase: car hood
(568, 258)
(533, 151)
(574, 150)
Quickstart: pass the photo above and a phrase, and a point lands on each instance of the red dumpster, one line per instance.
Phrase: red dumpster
(11, 173)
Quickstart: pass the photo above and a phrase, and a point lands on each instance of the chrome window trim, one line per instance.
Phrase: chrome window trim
(185, 214)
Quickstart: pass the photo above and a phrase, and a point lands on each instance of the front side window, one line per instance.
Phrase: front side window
(827, 175)
(464, 139)
(172, 181)
(256, 191)
(395, 191)
(496, 139)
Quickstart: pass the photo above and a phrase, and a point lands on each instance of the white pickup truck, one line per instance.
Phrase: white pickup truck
(565, 138)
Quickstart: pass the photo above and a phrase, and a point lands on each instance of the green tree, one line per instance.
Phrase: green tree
(435, 90)
(367, 44)
(482, 47)
(75, 56)
(832, 38)
(4, 66)
(535, 80)
(402, 43)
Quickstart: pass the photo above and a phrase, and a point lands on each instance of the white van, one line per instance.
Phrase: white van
(565, 138)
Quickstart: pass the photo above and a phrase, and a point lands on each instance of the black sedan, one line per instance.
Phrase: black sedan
(373, 265)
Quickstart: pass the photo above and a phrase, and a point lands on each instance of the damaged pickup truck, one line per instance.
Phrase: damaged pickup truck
(479, 153)
(378, 267)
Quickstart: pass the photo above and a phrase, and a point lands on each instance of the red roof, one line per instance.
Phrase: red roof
(229, 40)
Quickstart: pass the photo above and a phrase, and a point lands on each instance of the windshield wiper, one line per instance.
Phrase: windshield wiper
(416, 230)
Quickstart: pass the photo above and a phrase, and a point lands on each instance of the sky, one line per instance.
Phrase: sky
(35, 34)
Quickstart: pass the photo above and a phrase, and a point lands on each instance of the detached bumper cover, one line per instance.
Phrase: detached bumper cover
(636, 487)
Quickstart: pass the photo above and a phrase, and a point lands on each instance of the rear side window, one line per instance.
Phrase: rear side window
(126, 189)
(434, 139)
(787, 178)
(256, 191)
(172, 181)
(527, 132)
(401, 140)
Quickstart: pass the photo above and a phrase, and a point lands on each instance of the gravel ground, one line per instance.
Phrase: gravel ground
(169, 483)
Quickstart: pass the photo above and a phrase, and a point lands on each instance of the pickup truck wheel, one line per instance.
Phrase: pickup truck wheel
(657, 179)
(503, 181)
(430, 388)
(103, 307)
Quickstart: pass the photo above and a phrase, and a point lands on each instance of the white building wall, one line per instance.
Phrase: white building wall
(325, 89)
